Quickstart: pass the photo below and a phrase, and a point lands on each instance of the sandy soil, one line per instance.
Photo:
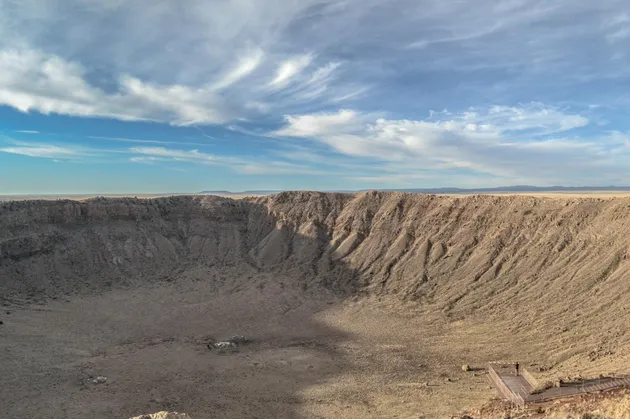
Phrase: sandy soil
(359, 306)
(310, 357)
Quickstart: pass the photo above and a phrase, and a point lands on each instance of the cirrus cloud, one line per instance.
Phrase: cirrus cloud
(48, 151)
(528, 142)
(532, 87)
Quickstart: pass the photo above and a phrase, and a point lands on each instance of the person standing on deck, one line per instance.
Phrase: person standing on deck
(517, 367)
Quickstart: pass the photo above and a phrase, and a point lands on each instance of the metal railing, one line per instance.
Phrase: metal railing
(503, 388)
(518, 394)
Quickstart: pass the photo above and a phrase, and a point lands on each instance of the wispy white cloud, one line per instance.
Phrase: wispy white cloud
(345, 120)
(317, 84)
(33, 80)
(190, 66)
(323, 74)
(620, 34)
(175, 155)
(221, 43)
(456, 38)
(147, 159)
(532, 118)
(26, 131)
(247, 64)
(290, 69)
(242, 165)
(352, 94)
(58, 150)
(492, 142)
(617, 28)
(48, 151)
(141, 141)
(216, 68)
(279, 168)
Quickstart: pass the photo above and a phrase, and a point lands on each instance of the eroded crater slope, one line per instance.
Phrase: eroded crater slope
(541, 279)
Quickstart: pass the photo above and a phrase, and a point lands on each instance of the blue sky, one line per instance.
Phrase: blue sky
(149, 96)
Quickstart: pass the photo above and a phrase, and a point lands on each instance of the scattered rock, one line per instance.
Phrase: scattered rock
(223, 345)
(163, 415)
(466, 368)
(448, 380)
(238, 339)
(233, 342)
(99, 380)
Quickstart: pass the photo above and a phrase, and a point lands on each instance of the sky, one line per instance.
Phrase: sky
(164, 96)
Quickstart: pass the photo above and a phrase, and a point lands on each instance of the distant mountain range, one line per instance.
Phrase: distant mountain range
(260, 192)
(501, 189)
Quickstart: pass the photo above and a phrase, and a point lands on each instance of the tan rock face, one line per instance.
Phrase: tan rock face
(163, 415)
(456, 252)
